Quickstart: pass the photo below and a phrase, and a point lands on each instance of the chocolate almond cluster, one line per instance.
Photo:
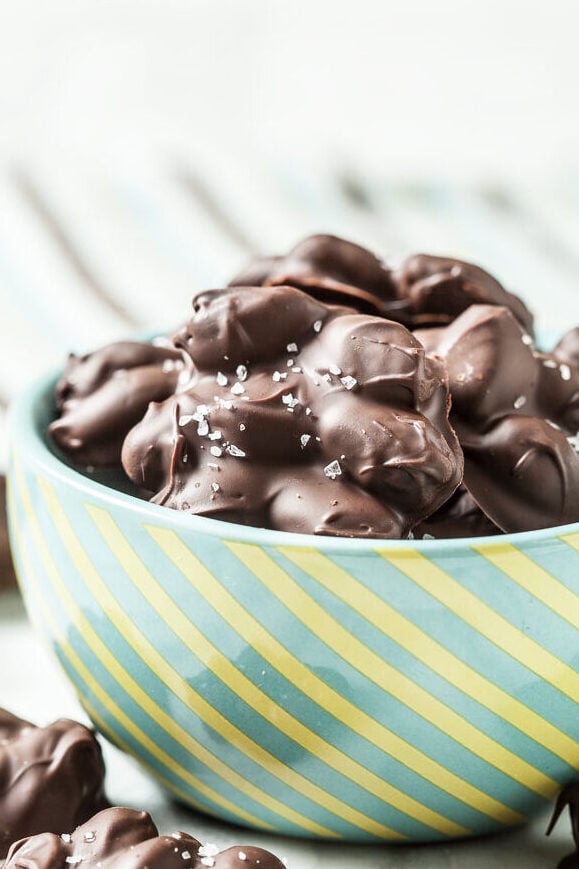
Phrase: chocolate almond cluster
(322, 392)
(51, 778)
(119, 838)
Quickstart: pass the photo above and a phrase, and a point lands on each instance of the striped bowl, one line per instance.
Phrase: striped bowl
(339, 689)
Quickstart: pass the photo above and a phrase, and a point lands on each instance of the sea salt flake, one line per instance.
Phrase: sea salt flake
(333, 470)
(290, 400)
(215, 487)
(208, 850)
(237, 388)
(296, 369)
(235, 451)
(186, 855)
(526, 339)
(305, 439)
(348, 381)
(221, 379)
(519, 402)
(216, 451)
(90, 836)
(334, 369)
(428, 537)
(241, 426)
(317, 326)
(74, 858)
(66, 837)
(171, 365)
(279, 375)
(207, 861)
(215, 435)
(186, 418)
(226, 404)
(565, 371)
(203, 428)
(290, 362)
(241, 855)
(241, 372)
(292, 348)
(549, 363)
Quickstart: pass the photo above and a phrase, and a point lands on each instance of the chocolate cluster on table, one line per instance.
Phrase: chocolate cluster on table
(313, 395)
(51, 778)
(127, 839)
(569, 796)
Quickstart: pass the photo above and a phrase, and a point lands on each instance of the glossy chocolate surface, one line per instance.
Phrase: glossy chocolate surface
(516, 412)
(302, 417)
(424, 291)
(100, 396)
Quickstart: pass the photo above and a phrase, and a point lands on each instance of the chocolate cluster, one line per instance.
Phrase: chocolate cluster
(322, 392)
(569, 796)
(127, 839)
(51, 778)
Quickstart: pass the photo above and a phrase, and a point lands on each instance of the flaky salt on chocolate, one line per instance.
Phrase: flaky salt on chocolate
(302, 417)
(51, 778)
(100, 396)
(516, 412)
(120, 838)
(424, 291)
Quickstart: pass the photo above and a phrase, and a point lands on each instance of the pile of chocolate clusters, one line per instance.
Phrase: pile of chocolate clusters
(54, 813)
(322, 392)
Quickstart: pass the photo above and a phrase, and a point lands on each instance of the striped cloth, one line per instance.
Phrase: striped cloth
(91, 253)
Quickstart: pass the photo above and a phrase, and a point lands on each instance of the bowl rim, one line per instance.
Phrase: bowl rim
(26, 437)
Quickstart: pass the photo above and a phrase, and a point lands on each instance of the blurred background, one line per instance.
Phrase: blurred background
(148, 148)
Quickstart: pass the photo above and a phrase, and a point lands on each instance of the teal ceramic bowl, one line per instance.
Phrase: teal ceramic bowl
(338, 689)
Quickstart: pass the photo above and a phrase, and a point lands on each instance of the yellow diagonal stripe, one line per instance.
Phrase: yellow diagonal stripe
(211, 657)
(150, 655)
(437, 658)
(385, 676)
(317, 690)
(571, 540)
(474, 612)
(109, 704)
(519, 567)
(114, 737)
(198, 575)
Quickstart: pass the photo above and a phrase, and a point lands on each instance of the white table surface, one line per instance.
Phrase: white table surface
(32, 686)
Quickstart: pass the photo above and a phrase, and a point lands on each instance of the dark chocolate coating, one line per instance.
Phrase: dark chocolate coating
(438, 289)
(330, 269)
(460, 516)
(302, 417)
(120, 838)
(51, 778)
(100, 396)
(515, 410)
(425, 291)
(569, 796)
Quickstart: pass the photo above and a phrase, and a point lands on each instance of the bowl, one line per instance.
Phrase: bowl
(337, 689)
